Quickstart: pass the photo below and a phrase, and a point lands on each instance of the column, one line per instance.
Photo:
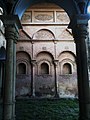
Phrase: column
(56, 78)
(81, 35)
(8, 95)
(12, 26)
(33, 63)
(14, 72)
(3, 78)
(0, 79)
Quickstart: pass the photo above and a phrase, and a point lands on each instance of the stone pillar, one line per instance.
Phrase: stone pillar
(8, 88)
(33, 63)
(81, 35)
(0, 79)
(14, 72)
(12, 26)
(56, 78)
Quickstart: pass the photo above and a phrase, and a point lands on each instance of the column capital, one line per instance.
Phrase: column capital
(56, 62)
(11, 33)
(81, 19)
(55, 41)
(79, 26)
(80, 32)
(11, 20)
(33, 62)
(12, 26)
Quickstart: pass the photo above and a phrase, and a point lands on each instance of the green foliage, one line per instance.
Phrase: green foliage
(47, 109)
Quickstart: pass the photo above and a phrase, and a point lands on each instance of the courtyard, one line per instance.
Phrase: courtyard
(46, 109)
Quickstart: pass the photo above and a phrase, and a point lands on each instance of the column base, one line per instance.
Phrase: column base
(32, 96)
(56, 96)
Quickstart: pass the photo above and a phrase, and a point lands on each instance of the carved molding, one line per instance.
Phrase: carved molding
(62, 17)
(26, 17)
(43, 17)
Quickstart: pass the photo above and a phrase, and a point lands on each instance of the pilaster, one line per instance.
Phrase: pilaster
(56, 78)
(33, 63)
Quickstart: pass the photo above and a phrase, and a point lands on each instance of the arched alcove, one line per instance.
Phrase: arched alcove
(44, 68)
(67, 69)
(44, 82)
(44, 54)
(44, 34)
(23, 76)
(67, 57)
(21, 68)
(23, 55)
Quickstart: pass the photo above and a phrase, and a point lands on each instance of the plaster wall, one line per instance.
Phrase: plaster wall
(45, 38)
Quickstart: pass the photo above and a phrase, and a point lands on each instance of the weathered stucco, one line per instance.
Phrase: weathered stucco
(45, 38)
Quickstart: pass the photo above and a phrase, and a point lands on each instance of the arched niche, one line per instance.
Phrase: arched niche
(47, 58)
(67, 62)
(44, 54)
(23, 62)
(21, 68)
(67, 54)
(43, 34)
(23, 55)
(67, 69)
(44, 68)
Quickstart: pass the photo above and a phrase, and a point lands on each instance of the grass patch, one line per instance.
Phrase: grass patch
(47, 109)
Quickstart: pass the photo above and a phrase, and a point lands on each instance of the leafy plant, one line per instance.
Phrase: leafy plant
(47, 109)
